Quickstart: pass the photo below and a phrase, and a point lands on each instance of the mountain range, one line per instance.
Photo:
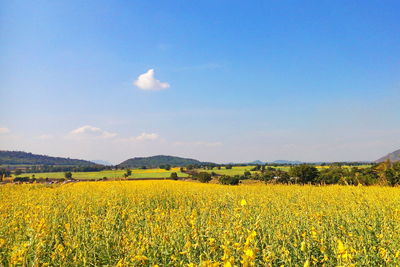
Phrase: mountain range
(25, 158)
(393, 157)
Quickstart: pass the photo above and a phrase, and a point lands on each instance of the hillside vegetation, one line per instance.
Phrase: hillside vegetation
(25, 158)
(156, 161)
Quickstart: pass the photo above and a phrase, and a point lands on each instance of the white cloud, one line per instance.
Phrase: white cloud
(89, 130)
(4, 130)
(146, 81)
(147, 136)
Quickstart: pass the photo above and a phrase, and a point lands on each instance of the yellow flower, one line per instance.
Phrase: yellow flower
(243, 202)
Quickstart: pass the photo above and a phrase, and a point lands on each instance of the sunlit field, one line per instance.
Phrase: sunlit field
(109, 174)
(163, 223)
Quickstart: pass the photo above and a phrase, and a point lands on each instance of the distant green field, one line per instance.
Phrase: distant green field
(109, 174)
(153, 173)
(236, 170)
(239, 170)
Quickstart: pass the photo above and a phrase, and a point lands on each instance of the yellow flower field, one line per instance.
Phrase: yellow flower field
(160, 223)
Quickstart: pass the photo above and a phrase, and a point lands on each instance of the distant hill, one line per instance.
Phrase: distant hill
(102, 162)
(24, 158)
(394, 156)
(293, 162)
(257, 162)
(156, 161)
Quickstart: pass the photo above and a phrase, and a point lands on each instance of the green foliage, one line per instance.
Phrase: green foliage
(165, 167)
(127, 173)
(4, 173)
(229, 180)
(304, 173)
(203, 177)
(174, 176)
(393, 174)
(21, 158)
(155, 161)
(332, 175)
(228, 167)
(68, 175)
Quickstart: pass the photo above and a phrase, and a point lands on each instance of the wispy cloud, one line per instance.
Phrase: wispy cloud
(148, 82)
(91, 131)
(4, 130)
(147, 137)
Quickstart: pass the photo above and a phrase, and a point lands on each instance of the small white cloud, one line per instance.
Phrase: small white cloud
(147, 136)
(146, 81)
(89, 130)
(4, 130)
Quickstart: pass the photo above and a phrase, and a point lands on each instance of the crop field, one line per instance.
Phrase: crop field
(110, 174)
(160, 223)
(239, 170)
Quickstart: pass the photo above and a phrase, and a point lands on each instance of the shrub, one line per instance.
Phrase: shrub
(68, 175)
(229, 180)
(22, 179)
(174, 176)
(203, 177)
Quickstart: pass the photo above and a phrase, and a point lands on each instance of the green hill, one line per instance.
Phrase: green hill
(24, 158)
(156, 161)
(394, 156)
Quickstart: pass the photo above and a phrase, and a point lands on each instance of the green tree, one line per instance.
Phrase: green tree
(393, 174)
(174, 176)
(67, 175)
(304, 173)
(229, 180)
(203, 177)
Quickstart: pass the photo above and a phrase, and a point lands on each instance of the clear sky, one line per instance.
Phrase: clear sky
(214, 80)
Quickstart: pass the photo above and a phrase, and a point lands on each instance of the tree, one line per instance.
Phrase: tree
(228, 167)
(127, 173)
(332, 175)
(229, 180)
(393, 174)
(174, 176)
(304, 173)
(203, 177)
(68, 175)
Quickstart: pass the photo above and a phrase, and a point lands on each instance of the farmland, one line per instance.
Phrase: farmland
(109, 174)
(153, 172)
(123, 223)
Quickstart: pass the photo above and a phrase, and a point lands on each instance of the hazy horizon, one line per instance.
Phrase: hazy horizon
(215, 81)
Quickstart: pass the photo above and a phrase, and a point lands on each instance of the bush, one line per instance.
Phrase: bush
(174, 176)
(203, 177)
(22, 179)
(68, 175)
(229, 180)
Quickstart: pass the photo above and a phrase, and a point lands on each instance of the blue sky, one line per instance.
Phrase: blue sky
(231, 81)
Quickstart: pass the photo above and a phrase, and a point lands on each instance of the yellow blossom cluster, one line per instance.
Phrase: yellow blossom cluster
(173, 223)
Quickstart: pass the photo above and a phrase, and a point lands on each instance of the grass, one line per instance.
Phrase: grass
(133, 223)
(110, 174)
